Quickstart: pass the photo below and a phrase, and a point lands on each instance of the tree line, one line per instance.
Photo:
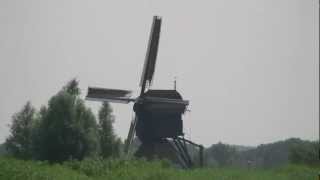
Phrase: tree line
(293, 150)
(64, 129)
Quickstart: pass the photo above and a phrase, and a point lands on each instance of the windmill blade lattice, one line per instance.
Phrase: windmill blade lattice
(151, 56)
(109, 95)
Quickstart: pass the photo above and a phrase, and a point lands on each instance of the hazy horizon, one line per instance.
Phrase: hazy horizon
(250, 69)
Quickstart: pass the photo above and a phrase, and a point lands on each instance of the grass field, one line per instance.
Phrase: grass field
(96, 169)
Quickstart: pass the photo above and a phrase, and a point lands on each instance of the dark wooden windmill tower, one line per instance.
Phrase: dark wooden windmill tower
(158, 113)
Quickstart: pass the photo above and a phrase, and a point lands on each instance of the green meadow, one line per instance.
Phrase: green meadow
(94, 169)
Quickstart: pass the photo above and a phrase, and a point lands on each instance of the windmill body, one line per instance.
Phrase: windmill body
(159, 120)
(158, 113)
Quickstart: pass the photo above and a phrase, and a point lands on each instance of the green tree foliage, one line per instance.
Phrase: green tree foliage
(72, 88)
(305, 152)
(110, 144)
(223, 154)
(68, 129)
(278, 153)
(19, 143)
(269, 155)
(37, 135)
(3, 150)
(65, 129)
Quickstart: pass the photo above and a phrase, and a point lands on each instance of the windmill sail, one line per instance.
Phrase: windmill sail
(151, 56)
(109, 95)
(131, 133)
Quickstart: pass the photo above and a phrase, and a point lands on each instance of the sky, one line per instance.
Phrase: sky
(249, 68)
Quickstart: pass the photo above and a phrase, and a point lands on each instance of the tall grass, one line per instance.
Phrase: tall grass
(96, 169)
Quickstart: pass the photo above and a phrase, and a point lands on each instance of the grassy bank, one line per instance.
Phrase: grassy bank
(13, 169)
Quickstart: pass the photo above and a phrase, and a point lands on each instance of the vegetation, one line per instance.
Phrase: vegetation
(3, 149)
(305, 152)
(65, 129)
(275, 154)
(91, 169)
(19, 143)
(223, 154)
(110, 144)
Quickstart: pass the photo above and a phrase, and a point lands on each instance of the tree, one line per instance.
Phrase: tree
(37, 135)
(110, 144)
(305, 152)
(72, 88)
(19, 143)
(68, 129)
(222, 153)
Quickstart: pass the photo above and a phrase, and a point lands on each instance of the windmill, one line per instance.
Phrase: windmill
(158, 113)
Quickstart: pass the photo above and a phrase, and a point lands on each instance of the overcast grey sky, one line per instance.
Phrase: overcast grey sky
(249, 67)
